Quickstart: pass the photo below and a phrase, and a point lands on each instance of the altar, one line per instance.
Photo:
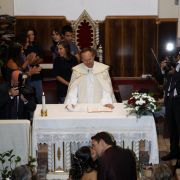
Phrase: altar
(65, 132)
(15, 135)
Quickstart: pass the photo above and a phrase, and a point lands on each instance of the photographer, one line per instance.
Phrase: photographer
(172, 104)
(17, 99)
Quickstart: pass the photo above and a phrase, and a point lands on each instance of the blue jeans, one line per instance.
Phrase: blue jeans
(38, 88)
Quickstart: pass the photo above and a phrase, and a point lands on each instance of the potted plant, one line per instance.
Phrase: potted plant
(8, 162)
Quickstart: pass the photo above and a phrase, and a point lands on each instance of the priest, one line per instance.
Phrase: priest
(90, 82)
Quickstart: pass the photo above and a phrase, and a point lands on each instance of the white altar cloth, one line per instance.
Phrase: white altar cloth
(63, 126)
(15, 134)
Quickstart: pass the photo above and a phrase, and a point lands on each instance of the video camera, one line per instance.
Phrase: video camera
(25, 89)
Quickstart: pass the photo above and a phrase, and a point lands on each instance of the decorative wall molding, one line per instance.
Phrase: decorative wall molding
(90, 33)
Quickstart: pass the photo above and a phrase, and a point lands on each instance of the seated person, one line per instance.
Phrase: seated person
(17, 99)
(162, 172)
(90, 82)
(83, 167)
(21, 173)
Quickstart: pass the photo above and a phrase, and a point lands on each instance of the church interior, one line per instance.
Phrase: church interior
(131, 37)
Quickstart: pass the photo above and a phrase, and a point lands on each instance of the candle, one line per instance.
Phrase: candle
(43, 110)
(43, 102)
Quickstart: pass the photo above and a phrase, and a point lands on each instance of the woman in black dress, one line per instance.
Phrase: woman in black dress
(56, 37)
(63, 69)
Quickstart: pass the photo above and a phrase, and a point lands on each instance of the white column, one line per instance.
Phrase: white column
(67, 155)
(50, 157)
(97, 33)
(136, 148)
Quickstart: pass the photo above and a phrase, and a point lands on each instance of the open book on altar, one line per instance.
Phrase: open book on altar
(90, 108)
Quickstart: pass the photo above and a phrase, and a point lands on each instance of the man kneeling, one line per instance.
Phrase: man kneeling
(115, 163)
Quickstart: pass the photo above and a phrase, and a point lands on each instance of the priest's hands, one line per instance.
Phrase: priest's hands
(109, 106)
(70, 107)
(89, 108)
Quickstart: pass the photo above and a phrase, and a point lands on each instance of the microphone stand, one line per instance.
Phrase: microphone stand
(155, 57)
(165, 75)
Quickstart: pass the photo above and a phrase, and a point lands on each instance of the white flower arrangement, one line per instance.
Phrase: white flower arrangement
(141, 104)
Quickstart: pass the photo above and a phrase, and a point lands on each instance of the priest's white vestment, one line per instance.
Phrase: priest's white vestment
(90, 85)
